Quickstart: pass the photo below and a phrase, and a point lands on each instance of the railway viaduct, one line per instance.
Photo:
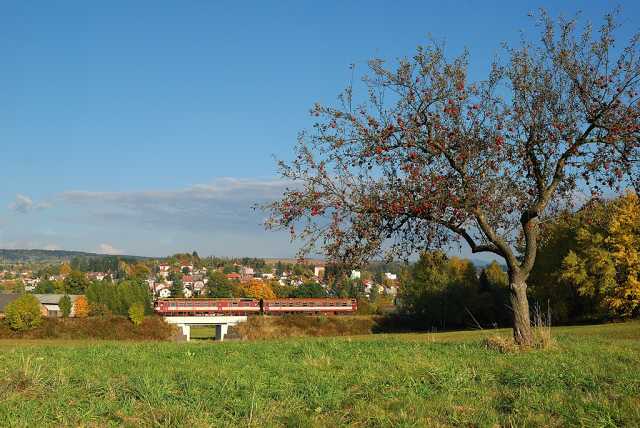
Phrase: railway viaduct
(221, 323)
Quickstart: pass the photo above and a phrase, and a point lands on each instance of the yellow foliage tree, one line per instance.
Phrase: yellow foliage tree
(607, 261)
(259, 290)
(81, 307)
(65, 269)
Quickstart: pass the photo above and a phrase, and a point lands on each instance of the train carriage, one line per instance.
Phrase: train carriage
(186, 307)
(316, 306)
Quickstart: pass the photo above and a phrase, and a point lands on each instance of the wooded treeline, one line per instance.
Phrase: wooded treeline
(588, 270)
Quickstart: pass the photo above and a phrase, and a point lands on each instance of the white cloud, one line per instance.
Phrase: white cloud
(109, 249)
(226, 203)
(23, 204)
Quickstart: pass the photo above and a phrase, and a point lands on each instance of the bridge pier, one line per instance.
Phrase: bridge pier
(221, 323)
(221, 331)
(186, 330)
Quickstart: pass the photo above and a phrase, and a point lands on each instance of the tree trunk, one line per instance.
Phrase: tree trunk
(520, 308)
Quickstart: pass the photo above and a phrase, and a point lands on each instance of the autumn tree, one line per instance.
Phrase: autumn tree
(432, 158)
(65, 269)
(606, 260)
(258, 290)
(81, 307)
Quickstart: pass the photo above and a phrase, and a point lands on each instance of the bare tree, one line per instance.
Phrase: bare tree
(431, 158)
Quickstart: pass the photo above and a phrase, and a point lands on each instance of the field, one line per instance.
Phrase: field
(592, 378)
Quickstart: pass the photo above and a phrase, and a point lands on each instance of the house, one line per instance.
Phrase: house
(318, 272)
(187, 280)
(234, 276)
(5, 299)
(390, 276)
(267, 275)
(51, 304)
(246, 273)
(369, 286)
(198, 286)
(355, 274)
(96, 276)
(164, 293)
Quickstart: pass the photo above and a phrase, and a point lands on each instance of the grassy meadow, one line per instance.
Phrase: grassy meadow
(591, 378)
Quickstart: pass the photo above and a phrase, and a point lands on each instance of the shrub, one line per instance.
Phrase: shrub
(99, 310)
(136, 313)
(65, 305)
(102, 328)
(23, 313)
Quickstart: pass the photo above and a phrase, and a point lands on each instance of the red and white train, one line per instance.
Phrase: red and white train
(315, 306)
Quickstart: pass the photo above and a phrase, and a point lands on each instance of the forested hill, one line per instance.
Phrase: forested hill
(30, 256)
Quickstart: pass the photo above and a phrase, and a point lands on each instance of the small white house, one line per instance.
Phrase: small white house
(318, 271)
(164, 293)
(198, 286)
(355, 274)
(390, 276)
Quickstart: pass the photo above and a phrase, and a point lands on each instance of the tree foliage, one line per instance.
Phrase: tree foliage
(136, 313)
(81, 307)
(24, 313)
(75, 283)
(443, 292)
(65, 306)
(258, 290)
(218, 285)
(606, 260)
(118, 298)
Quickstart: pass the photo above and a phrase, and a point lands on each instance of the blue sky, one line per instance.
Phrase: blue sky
(149, 127)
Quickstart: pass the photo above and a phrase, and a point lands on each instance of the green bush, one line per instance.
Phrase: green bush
(136, 313)
(23, 313)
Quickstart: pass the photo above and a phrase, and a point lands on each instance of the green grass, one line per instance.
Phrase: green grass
(203, 332)
(450, 379)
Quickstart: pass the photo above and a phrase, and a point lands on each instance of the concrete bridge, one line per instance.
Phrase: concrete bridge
(221, 323)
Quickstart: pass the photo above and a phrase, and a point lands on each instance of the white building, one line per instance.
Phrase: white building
(318, 271)
(355, 274)
(390, 276)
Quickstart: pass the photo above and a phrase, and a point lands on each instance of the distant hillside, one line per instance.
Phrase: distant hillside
(31, 256)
